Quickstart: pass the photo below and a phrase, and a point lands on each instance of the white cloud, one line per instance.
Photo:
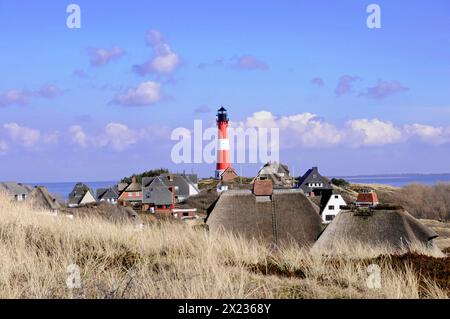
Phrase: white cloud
(21, 97)
(307, 130)
(78, 136)
(146, 93)
(101, 57)
(29, 137)
(117, 136)
(49, 91)
(26, 136)
(248, 62)
(164, 60)
(3, 147)
(373, 132)
(304, 129)
(429, 134)
(14, 97)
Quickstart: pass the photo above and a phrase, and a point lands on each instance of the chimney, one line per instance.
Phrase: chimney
(263, 187)
(133, 179)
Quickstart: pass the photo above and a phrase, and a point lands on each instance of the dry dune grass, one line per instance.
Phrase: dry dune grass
(171, 260)
(421, 201)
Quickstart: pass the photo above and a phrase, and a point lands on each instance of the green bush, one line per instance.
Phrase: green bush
(340, 182)
(150, 173)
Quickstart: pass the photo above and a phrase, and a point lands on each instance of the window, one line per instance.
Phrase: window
(329, 218)
(342, 206)
(185, 214)
(130, 194)
(331, 207)
(336, 196)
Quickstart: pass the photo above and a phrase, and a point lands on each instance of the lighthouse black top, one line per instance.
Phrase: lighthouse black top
(222, 115)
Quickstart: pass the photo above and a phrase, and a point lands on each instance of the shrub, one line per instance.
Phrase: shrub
(422, 201)
(150, 173)
(340, 182)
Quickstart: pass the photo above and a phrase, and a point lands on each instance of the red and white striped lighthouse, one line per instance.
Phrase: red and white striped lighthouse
(223, 145)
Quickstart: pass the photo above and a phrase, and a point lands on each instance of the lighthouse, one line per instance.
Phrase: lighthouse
(223, 144)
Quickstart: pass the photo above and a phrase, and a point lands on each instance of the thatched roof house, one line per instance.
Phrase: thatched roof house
(18, 191)
(228, 174)
(394, 229)
(132, 194)
(278, 173)
(80, 195)
(107, 211)
(40, 198)
(274, 217)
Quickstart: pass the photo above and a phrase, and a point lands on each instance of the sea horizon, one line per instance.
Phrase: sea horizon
(397, 180)
(62, 189)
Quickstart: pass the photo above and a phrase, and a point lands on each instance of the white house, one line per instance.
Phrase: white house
(18, 191)
(80, 195)
(333, 207)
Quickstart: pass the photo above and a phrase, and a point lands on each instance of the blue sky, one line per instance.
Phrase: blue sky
(353, 100)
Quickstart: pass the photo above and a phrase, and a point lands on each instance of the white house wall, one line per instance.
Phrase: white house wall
(87, 199)
(192, 190)
(337, 203)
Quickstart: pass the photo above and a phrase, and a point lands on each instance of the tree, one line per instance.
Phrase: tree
(340, 182)
(150, 173)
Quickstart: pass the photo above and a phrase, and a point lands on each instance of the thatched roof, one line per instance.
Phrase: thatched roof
(228, 174)
(278, 173)
(78, 193)
(284, 216)
(135, 186)
(105, 211)
(40, 198)
(15, 189)
(394, 229)
(315, 201)
(274, 168)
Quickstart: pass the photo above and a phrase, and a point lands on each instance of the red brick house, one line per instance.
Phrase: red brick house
(263, 188)
(132, 194)
(228, 174)
(157, 195)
